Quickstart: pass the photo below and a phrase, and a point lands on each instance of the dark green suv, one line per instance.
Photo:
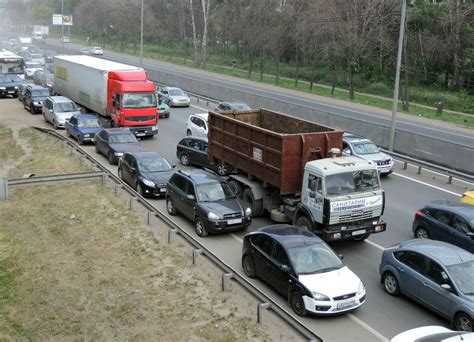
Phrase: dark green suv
(208, 201)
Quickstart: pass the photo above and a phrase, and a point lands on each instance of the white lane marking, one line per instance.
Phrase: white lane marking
(368, 327)
(427, 184)
(204, 109)
(375, 245)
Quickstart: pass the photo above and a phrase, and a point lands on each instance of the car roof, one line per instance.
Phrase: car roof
(443, 252)
(290, 236)
(199, 176)
(204, 116)
(354, 138)
(85, 116)
(454, 207)
(60, 99)
(195, 138)
(145, 154)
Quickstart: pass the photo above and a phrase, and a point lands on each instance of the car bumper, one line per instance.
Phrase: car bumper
(180, 103)
(158, 191)
(164, 113)
(334, 307)
(351, 233)
(143, 131)
(89, 138)
(226, 225)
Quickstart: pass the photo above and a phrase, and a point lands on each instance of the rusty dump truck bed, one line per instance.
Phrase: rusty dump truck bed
(269, 146)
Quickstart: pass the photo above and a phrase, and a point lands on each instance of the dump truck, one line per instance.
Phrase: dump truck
(293, 169)
(120, 94)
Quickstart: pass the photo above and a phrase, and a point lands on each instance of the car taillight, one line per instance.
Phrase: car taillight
(419, 213)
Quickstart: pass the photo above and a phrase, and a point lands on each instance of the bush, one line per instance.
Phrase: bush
(378, 88)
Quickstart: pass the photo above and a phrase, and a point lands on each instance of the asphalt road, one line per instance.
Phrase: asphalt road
(382, 316)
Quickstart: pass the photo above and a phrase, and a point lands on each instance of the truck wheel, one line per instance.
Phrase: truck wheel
(304, 223)
(255, 205)
(236, 187)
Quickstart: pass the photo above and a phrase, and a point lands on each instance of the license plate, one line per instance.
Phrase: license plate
(141, 134)
(163, 190)
(234, 221)
(358, 232)
(11, 92)
(345, 304)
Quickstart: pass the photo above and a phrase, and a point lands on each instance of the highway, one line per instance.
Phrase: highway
(382, 316)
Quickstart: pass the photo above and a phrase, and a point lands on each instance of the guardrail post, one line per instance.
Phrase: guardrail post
(197, 97)
(171, 232)
(450, 179)
(405, 165)
(225, 280)
(130, 203)
(260, 306)
(419, 170)
(196, 253)
(3, 190)
(207, 103)
(148, 218)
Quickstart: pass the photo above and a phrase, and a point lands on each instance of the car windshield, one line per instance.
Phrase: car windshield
(463, 276)
(32, 65)
(176, 92)
(316, 258)
(154, 165)
(240, 106)
(138, 100)
(65, 107)
(215, 191)
(36, 56)
(351, 182)
(366, 148)
(88, 123)
(125, 138)
(40, 92)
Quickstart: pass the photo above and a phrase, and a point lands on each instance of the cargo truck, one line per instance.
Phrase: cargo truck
(121, 94)
(292, 169)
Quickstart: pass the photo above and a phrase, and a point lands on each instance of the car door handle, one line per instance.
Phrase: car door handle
(425, 284)
(401, 269)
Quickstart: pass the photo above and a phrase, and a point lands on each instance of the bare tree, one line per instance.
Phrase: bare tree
(206, 4)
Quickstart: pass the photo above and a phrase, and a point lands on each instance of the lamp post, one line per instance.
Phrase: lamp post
(62, 25)
(141, 36)
(397, 75)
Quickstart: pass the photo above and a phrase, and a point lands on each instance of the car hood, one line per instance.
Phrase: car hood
(224, 207)
(65, 115)
(163, 106)
(89, 130)
(158, 177)
(179, 97)
(333, 283)
(131, 147)
(10, 84)
(374, 156)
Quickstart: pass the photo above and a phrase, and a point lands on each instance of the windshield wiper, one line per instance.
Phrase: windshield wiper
(327, 269)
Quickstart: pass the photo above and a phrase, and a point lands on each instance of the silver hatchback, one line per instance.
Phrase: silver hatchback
(438, 275)
(59, 109)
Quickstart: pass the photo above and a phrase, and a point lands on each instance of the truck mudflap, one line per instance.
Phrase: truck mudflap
(143, 131)
(357, 233)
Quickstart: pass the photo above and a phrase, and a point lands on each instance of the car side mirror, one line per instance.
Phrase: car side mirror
(191, 197)
(173, 166)
(312, 194)
(285, 268)
(341, 256)
(347, 151)
(471, 235)
(446, 287)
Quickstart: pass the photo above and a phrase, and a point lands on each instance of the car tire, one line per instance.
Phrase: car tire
(462, 322)
(249, 266)
(110, 158)
(96, 149)
(222, 168)
(390, 284)
(304, 223)
(68, 134)
(421, 233)
(55, 125)
(80, 140)
(44, 118)
(199, 227)
(139, 189)
(297, 303)
(184, 159)
(255, 205)
(170, 207)
(120, 173)
(32, 110)
(189, 133)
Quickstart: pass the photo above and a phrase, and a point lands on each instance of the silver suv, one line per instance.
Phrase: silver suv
(197, 125)
(59, 109)
(355, 145)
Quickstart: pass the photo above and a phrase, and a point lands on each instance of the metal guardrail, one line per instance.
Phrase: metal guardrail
(55, 178)
(229, 273)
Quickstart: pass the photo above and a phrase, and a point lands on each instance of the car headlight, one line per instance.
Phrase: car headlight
(118, 154)
(154, 127)
(212, 216)
(248, 212)
(16, 87)
(3, 88)
(86, 135)
(148, 182)
(361, 288)
(319, 296)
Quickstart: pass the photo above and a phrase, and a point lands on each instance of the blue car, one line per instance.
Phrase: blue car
(436, 274)
(83, 127)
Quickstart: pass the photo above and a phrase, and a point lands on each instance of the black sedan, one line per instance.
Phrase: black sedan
(114, 142)
(193, 151)
(10, 84)
(146, 172)
(445, 221)
(206, 199)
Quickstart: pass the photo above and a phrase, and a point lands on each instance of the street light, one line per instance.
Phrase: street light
(397, 76)
(62, 25)
(141, 36)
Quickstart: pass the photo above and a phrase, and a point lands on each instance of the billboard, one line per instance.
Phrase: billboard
(65, 19)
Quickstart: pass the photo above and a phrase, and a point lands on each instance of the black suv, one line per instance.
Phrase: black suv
(193, 151)
(445, 221)
(33, 97)
(208, 200)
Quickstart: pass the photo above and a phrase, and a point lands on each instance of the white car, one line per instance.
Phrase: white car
(433, 333)
(357, 146)
(197, 125)
(96, 50)
(174, 97)
(31, 67)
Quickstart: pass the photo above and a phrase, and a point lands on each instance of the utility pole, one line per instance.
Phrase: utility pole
(141, 36)
(62, 25)
(397, 75)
